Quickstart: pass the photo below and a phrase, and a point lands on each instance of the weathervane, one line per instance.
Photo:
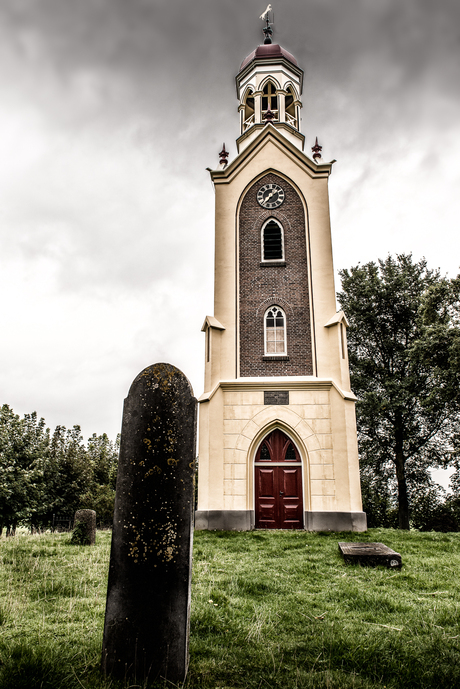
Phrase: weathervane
(268, 31)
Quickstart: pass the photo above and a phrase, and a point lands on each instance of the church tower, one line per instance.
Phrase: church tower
(277, 435)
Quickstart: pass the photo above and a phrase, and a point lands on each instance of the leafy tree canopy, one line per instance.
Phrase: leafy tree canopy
(404, 352)
(43, 474)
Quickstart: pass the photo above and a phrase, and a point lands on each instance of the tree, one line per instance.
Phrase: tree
(41, 475)
(102, 458)
(67, 474)
(23, 448)
(404, 352)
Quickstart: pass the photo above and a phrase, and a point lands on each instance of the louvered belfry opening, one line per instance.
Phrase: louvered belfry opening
(273, 242)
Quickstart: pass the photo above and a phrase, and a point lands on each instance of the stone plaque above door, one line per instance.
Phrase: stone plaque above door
(276, 397)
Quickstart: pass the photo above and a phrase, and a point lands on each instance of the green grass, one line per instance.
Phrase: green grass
(269, 609)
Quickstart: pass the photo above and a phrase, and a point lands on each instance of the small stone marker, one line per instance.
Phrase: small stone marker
(146, 628)
(371, 554)
(88, 518)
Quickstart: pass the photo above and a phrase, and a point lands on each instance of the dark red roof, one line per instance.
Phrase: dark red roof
(269, 51)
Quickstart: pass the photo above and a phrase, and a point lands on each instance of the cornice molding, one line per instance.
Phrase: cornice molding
(269, 134)
(261, 384)
(211, 322)
(339, 317)
(263, 62)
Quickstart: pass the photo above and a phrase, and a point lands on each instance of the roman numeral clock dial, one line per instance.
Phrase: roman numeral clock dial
(270, 196)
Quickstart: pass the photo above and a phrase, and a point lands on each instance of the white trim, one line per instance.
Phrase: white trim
(268, 463)
(269, 78)
(290, 85)
(271, 260)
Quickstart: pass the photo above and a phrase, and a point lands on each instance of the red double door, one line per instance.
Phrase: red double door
(278, 484)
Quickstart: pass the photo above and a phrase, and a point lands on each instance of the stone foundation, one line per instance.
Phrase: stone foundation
(243, 520)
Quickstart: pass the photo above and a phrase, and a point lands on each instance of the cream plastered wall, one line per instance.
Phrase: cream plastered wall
(320, 421)
(320, 418)
(272, 152)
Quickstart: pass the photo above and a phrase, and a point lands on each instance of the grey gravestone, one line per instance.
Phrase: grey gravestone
(372, 554)
(88, 518)
(146, 628)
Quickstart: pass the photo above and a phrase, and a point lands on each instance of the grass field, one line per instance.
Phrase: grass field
(269, 609)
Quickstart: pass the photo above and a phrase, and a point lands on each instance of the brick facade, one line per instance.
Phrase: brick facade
(262, 286)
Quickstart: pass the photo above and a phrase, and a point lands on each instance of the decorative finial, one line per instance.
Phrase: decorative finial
(223, 155)
(268, 115)
(268, 31)
(316, 150)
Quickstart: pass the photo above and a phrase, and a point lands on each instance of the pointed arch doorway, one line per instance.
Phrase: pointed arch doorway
(278, 483)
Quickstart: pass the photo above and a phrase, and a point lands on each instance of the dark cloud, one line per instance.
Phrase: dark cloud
(112, 110)
(381, 63)
(184, 47)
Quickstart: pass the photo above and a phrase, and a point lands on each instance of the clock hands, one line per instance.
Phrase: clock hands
(273, 191)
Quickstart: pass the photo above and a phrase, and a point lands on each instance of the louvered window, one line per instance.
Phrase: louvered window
(272, 241)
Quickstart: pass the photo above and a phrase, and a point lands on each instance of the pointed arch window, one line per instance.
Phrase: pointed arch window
(290, 107)
(270, 99)
(248, 119)
(272, 241)
(275, 332)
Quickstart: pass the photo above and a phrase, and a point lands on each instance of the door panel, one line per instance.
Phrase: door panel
(266, 490)
(289, 481)
(291, 500)
(266, 482)
(267, 516)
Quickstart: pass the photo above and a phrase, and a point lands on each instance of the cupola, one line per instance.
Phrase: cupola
(269, 89)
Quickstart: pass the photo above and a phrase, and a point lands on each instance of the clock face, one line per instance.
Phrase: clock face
(270, 196)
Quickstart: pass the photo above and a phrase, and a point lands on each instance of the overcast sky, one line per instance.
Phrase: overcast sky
(110, 112)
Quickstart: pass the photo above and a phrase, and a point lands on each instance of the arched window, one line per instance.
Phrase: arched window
(275, 331)
(290, 107)
(272, 241)
(270, 99)
(248, 119)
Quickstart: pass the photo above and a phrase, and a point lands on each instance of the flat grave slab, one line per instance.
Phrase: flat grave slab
(371, 554)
